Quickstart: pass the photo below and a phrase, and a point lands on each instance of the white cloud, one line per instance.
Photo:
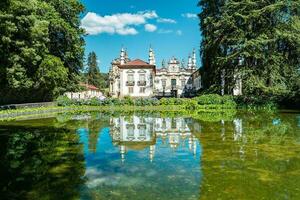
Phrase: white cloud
(164, 31)
(178, 32)
(168, 31)
(127, 31)
(166, 20)
(149, 14)
(190, 15)
(150, 28)
(121, 23)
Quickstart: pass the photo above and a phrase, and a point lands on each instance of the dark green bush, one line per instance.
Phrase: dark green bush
(64, 101)
(190, 104)
(164, 101)
(209, 99)
(255, 102)
(128, 101)
(94, 102)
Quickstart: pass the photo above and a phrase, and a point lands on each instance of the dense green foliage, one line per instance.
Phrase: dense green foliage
(258, 41)
(213, 101)
(41, 49)
(255, 103)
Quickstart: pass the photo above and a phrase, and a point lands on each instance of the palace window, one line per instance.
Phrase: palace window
(142, 77)
(142, 80)
(130, 90)
(142, 90)
(183, 83)
(130, 131)
(142, 131)
(164, 124)
(173, 82)
(157, 125)
(164, 83)
(173, 124)
(130, 77)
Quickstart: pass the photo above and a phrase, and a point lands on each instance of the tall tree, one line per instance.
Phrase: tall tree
(255, 38)
(93, 74)
(32, 33)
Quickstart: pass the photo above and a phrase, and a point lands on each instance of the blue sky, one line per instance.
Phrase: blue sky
(169, 26)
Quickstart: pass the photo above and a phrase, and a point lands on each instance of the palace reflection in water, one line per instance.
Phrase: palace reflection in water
(140, 131)
(141, 153)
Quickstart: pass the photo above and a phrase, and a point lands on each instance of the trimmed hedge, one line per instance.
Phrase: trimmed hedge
(211, 101)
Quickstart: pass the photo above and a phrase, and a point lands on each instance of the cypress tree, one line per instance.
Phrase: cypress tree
(93, 74)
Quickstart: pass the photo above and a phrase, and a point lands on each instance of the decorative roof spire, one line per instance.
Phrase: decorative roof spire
(182, 63)
(122, 152)
(190, 63)
(151, 56)
(151, 152)
(122, 56)
(194, 60)
(126, 55)
(163, 63)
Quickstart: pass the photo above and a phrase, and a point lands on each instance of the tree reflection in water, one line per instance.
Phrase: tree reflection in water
(152, 155)
(40, 163)
(250, 157)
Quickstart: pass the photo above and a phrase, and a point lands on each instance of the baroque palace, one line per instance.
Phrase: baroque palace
(137, 78)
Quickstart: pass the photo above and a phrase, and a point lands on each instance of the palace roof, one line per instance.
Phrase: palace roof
(137, 63)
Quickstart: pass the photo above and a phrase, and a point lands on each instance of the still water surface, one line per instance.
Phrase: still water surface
(151, 156)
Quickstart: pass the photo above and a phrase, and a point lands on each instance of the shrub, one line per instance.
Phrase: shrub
(164, 101)
(116, 102)
(179, 101)
(209, 99)
(190, 104)
(255, 102)
(80, 102)
(128, 101)
(155, 101)
(94, 102)
(64, 101)
(139, 102)
(215, 101)
(228, 101)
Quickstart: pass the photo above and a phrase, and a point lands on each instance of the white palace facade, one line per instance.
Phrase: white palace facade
(137, 78)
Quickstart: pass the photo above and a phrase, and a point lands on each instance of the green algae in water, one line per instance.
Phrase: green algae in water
(149, 156)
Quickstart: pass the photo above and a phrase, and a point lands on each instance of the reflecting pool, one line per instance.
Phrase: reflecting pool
(151, 156)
